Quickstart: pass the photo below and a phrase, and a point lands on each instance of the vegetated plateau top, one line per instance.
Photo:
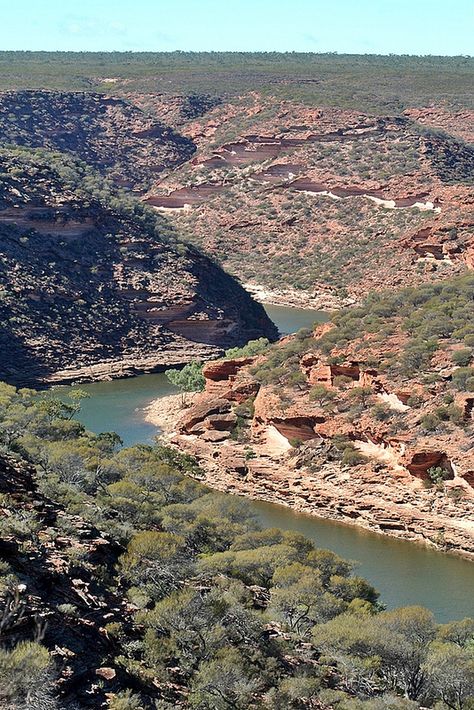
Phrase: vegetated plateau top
(374, 83)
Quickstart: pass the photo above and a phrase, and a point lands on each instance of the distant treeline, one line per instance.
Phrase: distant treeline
(377, 83)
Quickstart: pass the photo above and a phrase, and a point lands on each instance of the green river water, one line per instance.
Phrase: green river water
(404, 573)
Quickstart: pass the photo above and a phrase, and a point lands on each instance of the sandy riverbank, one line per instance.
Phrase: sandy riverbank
(322, 300)
(165, 412)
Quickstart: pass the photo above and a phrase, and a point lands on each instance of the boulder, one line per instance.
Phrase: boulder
(221, 422)
(243, 390)
(106, 673)
(200, 411)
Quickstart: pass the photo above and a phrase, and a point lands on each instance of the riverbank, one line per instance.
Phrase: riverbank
(321, 300)
(391, 507)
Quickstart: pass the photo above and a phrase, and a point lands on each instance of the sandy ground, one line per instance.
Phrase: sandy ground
(291, 298)
(164, 412)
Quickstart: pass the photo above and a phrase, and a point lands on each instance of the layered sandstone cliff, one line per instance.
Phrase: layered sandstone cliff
(333, 431)
(94, 287)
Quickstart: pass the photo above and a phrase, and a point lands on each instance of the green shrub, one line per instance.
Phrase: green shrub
(189, 378)
(463, 379)
(352, 457)
(381, 412)
(437, 474)
(321, 394)
(22, 669)
(462, 357)
(430, 421)
(253, 347)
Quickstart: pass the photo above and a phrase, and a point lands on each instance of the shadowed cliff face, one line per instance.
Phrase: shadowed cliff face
(110, 134)
(93, 288)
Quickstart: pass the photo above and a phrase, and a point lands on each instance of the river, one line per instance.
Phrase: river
(403, 572)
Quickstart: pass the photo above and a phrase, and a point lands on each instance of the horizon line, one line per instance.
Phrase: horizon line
(233, 51)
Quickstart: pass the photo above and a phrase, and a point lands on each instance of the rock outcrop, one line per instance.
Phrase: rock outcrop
(341, 437)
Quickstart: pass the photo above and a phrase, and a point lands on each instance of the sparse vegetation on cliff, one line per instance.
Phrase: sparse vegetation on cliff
(115, 269)
(368, 418)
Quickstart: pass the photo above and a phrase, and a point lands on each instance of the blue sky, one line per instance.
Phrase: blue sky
(355, 26)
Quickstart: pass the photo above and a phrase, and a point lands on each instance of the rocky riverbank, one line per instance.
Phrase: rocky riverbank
(323, 299)
(271, 470)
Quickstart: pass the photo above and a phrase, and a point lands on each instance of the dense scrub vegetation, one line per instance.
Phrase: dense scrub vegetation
(218, 612)
(365, 82)
(430, 317)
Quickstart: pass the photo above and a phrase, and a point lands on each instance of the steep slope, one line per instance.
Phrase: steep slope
(367, 420)
(94, 286)
(331, 203)
(112, 135)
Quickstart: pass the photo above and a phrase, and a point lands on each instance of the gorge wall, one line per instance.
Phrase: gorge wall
(95, 287)
(356, 429)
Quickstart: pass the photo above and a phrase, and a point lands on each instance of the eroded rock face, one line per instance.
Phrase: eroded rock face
(466, 403)
(469, 477)
(93, 292)
(177, 199)
(200, 411)
(221, 375)
(225, 369)
(306, 165)
(420, 463)
(302, 428)
(331, 459)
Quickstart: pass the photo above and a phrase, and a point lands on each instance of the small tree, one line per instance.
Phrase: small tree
(56, 408)
(188, 379)
(360, 394)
